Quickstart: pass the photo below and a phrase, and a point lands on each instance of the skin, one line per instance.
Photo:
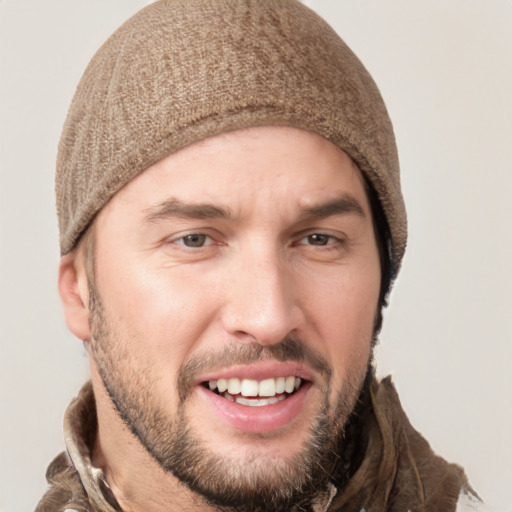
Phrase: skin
(285, 250)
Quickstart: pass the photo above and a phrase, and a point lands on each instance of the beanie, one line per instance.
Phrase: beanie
(183, 70)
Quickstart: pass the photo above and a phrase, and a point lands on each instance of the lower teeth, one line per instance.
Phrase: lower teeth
(254, 402)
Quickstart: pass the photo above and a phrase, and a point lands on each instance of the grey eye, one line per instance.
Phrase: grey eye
(194, 240)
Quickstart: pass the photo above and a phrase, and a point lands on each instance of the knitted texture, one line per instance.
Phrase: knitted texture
(183, 70)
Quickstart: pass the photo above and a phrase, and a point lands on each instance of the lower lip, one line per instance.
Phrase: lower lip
(264, 418)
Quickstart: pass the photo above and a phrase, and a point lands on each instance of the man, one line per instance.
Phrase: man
(231, 222)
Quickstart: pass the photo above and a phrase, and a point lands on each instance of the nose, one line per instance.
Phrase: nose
(262, 299)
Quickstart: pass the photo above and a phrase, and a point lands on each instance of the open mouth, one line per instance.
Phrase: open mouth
(255, 393)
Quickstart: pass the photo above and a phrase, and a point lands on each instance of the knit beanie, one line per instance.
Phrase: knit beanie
(183, 70)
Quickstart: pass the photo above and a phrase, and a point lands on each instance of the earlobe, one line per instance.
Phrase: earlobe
(74, 295)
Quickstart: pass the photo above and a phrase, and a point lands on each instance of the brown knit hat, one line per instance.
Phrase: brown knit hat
(183, 70)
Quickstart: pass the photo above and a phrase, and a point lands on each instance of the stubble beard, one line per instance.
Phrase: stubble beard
(249, 485)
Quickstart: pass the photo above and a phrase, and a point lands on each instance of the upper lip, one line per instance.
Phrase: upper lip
(259, 371)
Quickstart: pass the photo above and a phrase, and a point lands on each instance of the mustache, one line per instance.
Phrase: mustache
(289, 349)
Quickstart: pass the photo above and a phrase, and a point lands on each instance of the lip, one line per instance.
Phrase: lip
(260, 371)
(259, 419)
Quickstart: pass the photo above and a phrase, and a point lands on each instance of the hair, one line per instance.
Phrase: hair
(87, 246)
(384, 246)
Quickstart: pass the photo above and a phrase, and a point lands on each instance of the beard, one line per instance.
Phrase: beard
(246, 484)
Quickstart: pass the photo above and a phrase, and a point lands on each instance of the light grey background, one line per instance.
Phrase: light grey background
(444, 68)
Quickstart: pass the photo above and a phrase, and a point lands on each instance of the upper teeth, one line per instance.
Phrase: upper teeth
(249, 387)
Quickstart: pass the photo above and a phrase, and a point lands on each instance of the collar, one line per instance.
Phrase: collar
(80, 428)
(396, 467)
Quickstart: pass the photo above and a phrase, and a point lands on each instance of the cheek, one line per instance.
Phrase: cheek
(342, 311)
(347, 334)
(158, 314)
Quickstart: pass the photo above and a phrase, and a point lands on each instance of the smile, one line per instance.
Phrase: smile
(254, 393)
(261, 397)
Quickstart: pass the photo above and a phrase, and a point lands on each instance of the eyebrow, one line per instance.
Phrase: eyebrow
(169, 208)
(176, 208)
(345, 204)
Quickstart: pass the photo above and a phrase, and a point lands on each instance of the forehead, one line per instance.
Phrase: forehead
(274, 167)
(255, 161)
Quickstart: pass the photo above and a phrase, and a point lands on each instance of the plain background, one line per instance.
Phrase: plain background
(445, 70)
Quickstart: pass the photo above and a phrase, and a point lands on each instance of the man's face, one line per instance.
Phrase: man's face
(247, 261)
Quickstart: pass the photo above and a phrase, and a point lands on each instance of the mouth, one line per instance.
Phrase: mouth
(258, 398)
(255, 393)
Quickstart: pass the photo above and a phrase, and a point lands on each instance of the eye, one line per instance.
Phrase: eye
(194, 240)
(321, 246)
(318, 239)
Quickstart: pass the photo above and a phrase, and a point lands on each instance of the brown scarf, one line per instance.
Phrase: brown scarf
(397, 471)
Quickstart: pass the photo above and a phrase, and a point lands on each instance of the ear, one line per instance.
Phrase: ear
(74, 295)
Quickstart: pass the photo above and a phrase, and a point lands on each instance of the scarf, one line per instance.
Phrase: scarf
(386, 467)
